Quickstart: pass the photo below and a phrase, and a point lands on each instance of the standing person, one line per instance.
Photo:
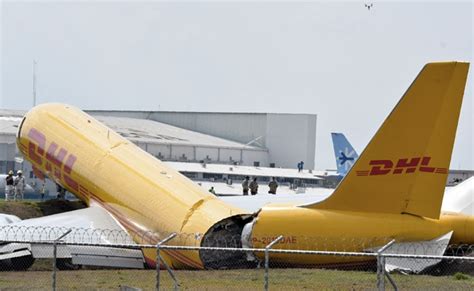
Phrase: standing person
(211, 190)
(9, 187)
(61, 192)
(245, 185)
(19, 186)
(300, 166)
(42, 190)
(273, 185)
(253, 186)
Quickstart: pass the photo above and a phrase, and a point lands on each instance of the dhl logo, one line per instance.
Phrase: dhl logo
(55, 160)
(404, 165)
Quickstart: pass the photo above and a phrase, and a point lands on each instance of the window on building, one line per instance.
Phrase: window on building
(212, 176)
(236, 177)
(3, 167)
(190, 175)
(10, 166)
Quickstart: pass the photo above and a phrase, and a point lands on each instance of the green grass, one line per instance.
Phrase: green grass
(279, 279)
(461, 276)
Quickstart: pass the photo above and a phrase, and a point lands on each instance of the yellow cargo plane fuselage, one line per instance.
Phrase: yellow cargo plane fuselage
(99, 166)
(312, 229)
(149, 198)
(393, 191)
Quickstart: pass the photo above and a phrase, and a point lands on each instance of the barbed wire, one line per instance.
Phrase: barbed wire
(121, 238)
(46, 233)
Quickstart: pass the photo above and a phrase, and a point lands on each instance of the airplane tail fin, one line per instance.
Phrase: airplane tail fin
(344, 152)
(405, 166)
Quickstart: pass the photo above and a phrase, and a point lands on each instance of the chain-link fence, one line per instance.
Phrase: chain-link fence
(68, 259)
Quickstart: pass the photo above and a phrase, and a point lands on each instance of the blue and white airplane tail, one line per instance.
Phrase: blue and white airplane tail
(344, 152)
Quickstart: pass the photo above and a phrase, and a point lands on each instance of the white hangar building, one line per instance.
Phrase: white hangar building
(247, 139)
(171, 143)
(264, 139)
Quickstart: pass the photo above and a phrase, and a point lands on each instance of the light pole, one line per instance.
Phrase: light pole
(34, 83)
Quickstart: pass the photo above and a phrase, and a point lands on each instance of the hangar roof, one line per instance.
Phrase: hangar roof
(139, 130)
(9, 121)
(153, 132)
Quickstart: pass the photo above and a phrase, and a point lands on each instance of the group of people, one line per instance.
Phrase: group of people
(253, 186)
(14, 186)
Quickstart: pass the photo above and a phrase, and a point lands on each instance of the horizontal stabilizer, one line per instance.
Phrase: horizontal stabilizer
(460, 198)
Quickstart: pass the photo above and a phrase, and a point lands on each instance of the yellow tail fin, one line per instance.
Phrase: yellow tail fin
(405, 166)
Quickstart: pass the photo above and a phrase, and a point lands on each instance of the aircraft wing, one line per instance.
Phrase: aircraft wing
(254, 203)
(92, 225)
(7, 219)
(93, 219)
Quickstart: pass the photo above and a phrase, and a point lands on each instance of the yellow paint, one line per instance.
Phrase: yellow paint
(364, 211)
(367, 211)
(423, 124)
(144, 194)
(334, 230)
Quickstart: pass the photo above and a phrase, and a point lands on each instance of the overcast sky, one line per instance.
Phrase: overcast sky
(341, 61)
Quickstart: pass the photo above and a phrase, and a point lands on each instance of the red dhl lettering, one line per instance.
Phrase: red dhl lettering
(55, 160)
(402, 166)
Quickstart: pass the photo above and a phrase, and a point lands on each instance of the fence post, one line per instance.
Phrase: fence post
(267, 259)
(55, 247)
(158, 260)
(381, 266)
